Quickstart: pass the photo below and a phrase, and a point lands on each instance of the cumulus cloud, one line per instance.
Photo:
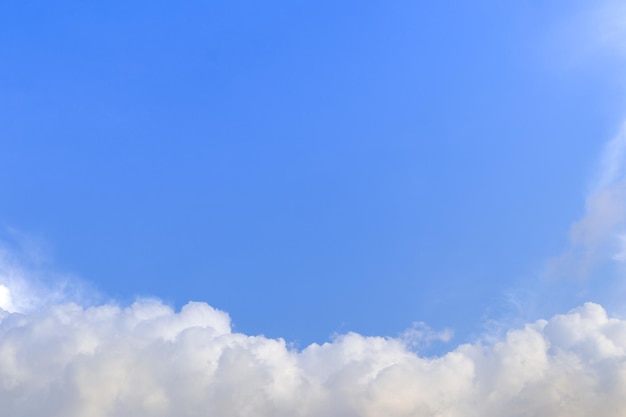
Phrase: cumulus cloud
(63, 359)
(148, 360)
(600, 235)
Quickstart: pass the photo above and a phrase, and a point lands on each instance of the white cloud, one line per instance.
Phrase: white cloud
(421, 335)
(6, 302)
(596, 35)
(62, 359)
(148, 360)
(27, 282)
(599, 235)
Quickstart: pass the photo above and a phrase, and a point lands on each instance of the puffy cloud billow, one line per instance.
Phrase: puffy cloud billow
(148, 360)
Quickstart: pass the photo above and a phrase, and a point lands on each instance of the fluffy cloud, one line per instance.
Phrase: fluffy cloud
(148, 360)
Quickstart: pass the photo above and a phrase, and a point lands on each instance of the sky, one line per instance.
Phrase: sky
(312, 208)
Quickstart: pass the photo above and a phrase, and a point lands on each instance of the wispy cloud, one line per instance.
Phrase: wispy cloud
(29, 282)
(595, 31)
(606, 25)
(600, 235)
(420, 335)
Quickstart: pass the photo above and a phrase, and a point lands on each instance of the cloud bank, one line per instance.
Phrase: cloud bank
(148, 360)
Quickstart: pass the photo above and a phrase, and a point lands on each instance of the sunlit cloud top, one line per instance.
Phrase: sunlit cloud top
(149, 360)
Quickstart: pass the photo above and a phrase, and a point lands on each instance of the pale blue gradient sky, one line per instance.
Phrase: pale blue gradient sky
(310, 168)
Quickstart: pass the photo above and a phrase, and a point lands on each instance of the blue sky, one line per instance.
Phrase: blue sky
(310, 168)
(307, 209)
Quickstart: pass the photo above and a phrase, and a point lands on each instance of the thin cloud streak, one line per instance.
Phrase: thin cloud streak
(599, 235)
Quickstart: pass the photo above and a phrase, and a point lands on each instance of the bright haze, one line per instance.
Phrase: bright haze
(312, 209)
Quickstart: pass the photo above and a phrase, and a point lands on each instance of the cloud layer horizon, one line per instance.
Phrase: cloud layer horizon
(61, 356)
(146, 359)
